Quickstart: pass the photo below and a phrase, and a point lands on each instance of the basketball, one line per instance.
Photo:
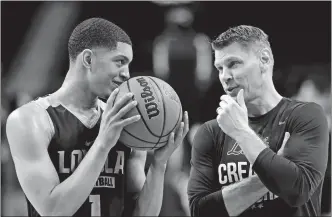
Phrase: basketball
(160, 109)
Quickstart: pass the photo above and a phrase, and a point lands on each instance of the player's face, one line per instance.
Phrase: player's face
(239, 69)
(109, 68)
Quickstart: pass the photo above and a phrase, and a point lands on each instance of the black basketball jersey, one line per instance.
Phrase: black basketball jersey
(72, 136)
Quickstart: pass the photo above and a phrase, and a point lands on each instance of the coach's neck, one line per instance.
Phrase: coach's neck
(265, 102)
(75, 90)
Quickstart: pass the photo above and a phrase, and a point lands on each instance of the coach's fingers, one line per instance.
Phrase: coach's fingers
(130, 120)
(286, 137)
(111, 98)
(223, 104)
(227, 99)
(240, 99)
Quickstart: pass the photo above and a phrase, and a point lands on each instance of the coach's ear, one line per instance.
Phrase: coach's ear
(87, 58)
(265, 58)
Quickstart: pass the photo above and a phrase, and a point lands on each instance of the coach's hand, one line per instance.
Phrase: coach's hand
(232, 116)
(281, 151)
(162, 154)
(111, 124)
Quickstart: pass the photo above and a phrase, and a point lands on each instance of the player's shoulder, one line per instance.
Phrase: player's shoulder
(30, 114)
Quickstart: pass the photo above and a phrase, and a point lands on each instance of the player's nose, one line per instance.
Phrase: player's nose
(124, 74)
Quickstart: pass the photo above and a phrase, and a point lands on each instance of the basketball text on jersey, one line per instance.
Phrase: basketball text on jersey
(150, 105)
(73, 158)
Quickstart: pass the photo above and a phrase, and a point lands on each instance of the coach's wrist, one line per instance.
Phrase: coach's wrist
(242, 134)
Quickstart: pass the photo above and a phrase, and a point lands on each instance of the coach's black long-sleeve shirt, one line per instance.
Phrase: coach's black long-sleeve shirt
(294, 181)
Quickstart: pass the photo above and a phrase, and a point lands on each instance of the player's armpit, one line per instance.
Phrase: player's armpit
(135, 179)
(136, 176)
(297, 176)
(28, 138)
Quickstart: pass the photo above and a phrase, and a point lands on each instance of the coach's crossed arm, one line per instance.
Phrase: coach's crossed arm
(295, 178)
(204, 198)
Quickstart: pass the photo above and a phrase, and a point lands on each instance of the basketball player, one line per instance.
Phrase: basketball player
(237, 165)
(65, 145)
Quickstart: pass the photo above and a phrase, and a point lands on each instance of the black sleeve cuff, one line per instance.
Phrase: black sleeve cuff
(260, 163)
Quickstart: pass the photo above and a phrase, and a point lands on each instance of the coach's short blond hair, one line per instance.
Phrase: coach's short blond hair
(244, 35)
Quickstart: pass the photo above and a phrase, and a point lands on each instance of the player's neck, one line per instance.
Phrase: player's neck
(265, 103)
(75, 92)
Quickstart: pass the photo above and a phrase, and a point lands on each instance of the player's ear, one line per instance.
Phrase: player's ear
(265, 59)
(87, 58)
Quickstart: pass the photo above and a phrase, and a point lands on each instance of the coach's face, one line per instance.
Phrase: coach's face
(108, 68)
(239, 68)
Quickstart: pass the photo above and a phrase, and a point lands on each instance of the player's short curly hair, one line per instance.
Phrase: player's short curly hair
(243, 34)
(95, 32)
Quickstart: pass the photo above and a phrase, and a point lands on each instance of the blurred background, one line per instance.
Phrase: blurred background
(171, 40)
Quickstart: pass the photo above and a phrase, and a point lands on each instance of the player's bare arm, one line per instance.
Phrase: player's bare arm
(150, 196)
(28, 135)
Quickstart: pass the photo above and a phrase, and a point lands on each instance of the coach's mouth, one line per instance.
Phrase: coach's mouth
(231, 90)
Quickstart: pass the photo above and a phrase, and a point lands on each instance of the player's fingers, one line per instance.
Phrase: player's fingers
(123, 111)
(171, 138)
(121, 102)
(179, 133)
(186, 123)
(130, 120)
(111, 98)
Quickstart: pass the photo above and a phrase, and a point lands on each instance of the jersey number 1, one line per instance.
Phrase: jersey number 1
(95, 205)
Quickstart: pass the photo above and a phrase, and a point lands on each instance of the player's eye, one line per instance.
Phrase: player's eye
(120, 62)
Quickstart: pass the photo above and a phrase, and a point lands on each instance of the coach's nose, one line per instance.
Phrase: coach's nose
(225, 76)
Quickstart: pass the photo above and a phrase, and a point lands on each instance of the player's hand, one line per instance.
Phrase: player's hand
(281, 151)
(162, 154)
(232, 115)
(112, 122)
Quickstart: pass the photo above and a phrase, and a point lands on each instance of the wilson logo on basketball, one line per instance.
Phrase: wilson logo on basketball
(150, 105)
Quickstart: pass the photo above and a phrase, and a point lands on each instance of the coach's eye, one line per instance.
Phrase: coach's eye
(233, 64)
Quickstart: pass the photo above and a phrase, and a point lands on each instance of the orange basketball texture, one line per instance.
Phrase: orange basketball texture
(160, 109)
